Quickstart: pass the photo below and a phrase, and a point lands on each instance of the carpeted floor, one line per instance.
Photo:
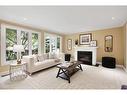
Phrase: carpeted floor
(91, 78)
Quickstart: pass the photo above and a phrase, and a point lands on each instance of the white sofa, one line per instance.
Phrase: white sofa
(43, 61)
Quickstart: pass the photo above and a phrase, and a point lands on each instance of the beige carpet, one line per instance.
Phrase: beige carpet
(91, 78)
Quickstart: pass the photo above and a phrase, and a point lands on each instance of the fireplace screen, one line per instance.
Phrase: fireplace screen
(85, 57)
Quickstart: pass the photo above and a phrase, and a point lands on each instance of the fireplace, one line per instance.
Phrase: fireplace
(91, 51)
(85, 57)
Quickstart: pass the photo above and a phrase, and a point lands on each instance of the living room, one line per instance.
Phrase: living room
(40, 38)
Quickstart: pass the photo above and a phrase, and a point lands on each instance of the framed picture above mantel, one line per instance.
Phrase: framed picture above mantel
(85, 39)
(93, 43)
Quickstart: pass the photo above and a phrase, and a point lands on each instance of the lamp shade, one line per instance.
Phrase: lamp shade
(18, 48)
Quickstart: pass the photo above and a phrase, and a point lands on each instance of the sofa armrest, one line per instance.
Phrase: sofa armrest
(29, 61)
(61, 57)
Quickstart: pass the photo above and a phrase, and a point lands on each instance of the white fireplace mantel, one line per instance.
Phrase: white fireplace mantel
(92, 49)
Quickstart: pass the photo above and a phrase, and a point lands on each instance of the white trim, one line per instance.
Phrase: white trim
(125, 69)
(3, 55)
(92, 49)
(61, 42)
(54, 36)
(98, 62)
(120, 66)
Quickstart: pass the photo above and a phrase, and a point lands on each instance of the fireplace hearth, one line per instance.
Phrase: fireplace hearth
(85, 57)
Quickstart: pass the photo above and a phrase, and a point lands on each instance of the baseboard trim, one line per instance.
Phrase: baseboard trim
(125, 69)
(120, 66)
(100, 63)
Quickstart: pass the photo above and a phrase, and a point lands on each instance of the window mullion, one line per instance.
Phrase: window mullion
(30, 43)
(19, 37)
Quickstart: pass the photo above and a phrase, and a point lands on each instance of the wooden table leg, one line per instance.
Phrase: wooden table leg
(58, 73)
(68, 77)
(80, 67)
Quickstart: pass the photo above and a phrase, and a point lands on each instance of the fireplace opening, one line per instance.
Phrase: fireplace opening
(85, 57)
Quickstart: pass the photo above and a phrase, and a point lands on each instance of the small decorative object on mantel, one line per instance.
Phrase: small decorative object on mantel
(85, 39)
(108, 43)
(69, 44)
(93, 43)
(76, 42)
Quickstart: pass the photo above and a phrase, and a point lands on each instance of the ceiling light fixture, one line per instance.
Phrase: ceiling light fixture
(113, 18)
(24, 19)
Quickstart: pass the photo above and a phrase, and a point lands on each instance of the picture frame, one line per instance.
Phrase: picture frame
(69, 44)
(93, 43)
(85, 39)
(108, 43)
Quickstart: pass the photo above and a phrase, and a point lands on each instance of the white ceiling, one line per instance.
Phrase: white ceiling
(66, 19)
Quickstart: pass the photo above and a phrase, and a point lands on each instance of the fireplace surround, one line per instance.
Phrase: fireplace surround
(93, 50)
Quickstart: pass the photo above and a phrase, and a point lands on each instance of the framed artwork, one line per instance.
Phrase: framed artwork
(85, 39)
(108, 43)
(93, 43)
(69, 44)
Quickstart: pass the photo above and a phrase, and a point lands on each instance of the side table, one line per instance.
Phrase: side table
(17, 71)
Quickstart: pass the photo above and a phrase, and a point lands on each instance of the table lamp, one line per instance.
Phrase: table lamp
(18, 49)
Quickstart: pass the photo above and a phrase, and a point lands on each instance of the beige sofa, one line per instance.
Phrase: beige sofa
(43, 61)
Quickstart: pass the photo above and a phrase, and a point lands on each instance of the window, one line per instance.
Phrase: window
(11, 39)
(52, 43)
(47, 44)
(35, 43)
(25, 42)
(11, 35)
(58, 43)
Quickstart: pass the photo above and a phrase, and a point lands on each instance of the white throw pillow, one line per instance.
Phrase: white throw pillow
(46, 56)
(55, 55)
(51, 55)
(40, 58)
(35, 58)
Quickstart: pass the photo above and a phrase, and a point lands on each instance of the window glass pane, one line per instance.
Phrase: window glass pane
(35, 43)
(47, 44)
(58, 42)
(53, 44)
(25, 42)
(11, 39)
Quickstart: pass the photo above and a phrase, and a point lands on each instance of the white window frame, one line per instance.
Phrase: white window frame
(55, 36)
(19, 29)
(39, 39)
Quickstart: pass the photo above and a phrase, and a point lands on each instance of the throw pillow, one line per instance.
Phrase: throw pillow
(35, 58)
(56, 55)
(51, 55)
(40, 58)
(45, 56)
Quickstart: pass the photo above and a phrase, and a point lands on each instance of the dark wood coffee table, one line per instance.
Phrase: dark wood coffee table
(65, 72)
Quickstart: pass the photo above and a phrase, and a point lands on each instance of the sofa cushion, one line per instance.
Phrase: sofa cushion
(38, 63)
(47, 61)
